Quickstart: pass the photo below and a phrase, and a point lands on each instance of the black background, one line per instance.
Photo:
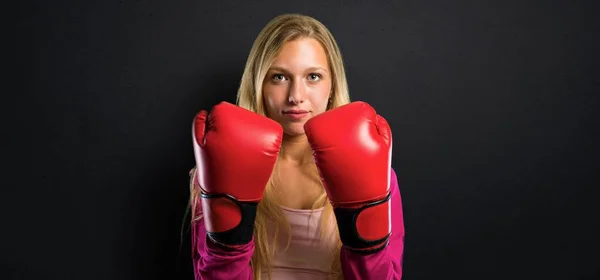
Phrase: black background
(493, 107)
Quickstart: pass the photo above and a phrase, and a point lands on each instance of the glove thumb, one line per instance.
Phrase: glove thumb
(199, 128)
(384, 129)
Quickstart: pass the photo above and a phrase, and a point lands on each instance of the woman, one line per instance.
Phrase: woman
(295, 182)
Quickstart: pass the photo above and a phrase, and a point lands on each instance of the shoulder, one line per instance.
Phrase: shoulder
(393, 177)
(394, 186)
(194, 188)
(194, 177)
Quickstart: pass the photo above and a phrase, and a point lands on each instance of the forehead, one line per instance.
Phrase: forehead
(300, 54)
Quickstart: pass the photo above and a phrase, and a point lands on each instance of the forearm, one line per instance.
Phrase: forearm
(211, 261)
(386, 263)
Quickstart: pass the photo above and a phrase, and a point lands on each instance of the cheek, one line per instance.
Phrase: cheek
(269, 103)
(320, 97)
(272, 100)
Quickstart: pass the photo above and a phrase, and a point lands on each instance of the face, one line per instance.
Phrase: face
(298, 85)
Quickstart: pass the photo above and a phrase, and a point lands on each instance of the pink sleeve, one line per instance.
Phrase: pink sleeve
(211, 261)
(387, 263)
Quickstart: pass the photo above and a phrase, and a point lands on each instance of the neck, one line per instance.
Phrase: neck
(296, 150)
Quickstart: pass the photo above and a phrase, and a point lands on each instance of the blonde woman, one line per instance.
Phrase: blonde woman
(295, 181)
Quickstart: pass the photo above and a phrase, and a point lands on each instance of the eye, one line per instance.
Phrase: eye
(277, 77)
(314, 76)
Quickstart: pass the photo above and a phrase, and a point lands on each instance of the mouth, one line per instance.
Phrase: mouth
(295, 114)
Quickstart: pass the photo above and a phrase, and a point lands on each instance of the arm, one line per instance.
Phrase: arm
(387, 263)
(234, 163)
(211, 261)
(365, 197)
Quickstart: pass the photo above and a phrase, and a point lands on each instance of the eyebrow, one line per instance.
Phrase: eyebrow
(277, 68)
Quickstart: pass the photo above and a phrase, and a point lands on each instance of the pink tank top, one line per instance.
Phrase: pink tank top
(308, 254)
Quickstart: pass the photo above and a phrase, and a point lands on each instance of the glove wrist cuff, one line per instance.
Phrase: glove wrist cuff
(351, 226)
(239, 235)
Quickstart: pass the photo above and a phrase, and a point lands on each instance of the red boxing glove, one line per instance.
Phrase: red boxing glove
(235, 151)
(352, 148)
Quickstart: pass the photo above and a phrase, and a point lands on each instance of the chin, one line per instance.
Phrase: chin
(294, 130)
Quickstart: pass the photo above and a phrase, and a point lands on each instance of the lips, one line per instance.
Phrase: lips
(295, 114)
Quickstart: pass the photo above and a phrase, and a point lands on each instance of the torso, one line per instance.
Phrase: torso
(308, 255)
(298, 187)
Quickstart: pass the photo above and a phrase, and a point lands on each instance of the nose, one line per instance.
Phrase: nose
(297, 93)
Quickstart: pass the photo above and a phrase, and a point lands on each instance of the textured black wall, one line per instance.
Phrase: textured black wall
(493, 107)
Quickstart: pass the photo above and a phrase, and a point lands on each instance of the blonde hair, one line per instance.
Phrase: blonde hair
(279, 30)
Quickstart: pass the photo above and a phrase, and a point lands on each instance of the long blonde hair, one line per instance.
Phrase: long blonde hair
(279, 30)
